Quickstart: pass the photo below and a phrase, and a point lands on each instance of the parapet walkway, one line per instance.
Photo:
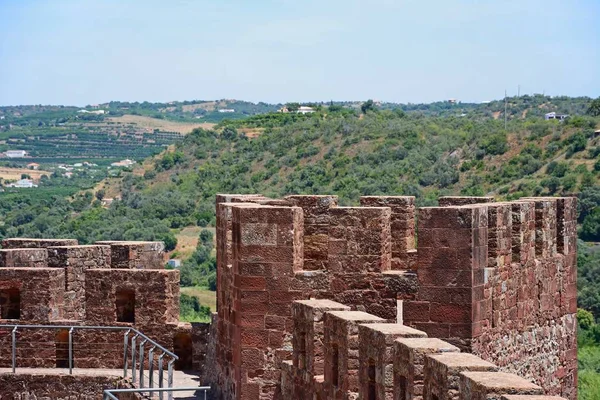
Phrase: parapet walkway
(180, 378)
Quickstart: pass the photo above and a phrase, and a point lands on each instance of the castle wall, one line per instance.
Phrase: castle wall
(533, 329)
(402, 228)
(483, 272)
(523, 291)
(369, 359)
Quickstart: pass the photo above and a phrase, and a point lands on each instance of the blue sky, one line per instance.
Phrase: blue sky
(83, 52)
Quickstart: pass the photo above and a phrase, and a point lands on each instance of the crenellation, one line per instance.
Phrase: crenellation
(136, 255)
(76, 260)
(318, 301)
(409, 364)
(376, 351)
(342, 351)
(442, 374)
(24, 258)
(30, 243)
(402, 227)
(477, 385)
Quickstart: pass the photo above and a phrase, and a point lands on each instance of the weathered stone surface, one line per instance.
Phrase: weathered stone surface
(40, 386)
(24, 258)
(442, 373)
(76, 260)
(155, 295)
(342, 351)
(446, 201)
(136, 255)
(492, 385)
(376, 355)
(409, 364)
(40, 293)
(22, 243)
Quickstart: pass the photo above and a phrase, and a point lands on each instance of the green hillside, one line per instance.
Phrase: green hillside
(349, 149)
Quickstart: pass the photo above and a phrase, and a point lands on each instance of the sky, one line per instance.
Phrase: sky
(78, 52)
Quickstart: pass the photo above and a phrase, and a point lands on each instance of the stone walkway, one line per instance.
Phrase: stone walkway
(180, 378)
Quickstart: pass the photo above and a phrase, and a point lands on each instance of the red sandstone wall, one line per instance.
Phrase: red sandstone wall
(59, 387)
(470, 267)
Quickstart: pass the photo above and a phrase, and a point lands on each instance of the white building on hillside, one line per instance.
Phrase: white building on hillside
(15, 153)
(123, 163)
(22, 183)
(553, 115)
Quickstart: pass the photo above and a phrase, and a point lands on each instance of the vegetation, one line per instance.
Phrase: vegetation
(349, 149)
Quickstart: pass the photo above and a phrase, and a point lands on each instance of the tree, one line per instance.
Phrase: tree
(292, 107)
(585, 318)
(100, 194)
(229, 133)
(368, 105)
(594, 109)
(590, 230)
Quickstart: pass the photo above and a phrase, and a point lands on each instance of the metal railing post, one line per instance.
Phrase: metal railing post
(14, 349)
(125, 342)
(151, 368)
(133, 366)
(160, 375)
(143, 342)
(71, 350)
(170, 378)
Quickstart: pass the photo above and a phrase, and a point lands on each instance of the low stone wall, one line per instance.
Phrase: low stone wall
(25, 386)
(29, 243)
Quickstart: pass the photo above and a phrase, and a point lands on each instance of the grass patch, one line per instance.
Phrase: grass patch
(204, 296)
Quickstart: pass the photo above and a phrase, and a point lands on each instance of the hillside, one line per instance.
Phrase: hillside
(111, 131)
(334, 150)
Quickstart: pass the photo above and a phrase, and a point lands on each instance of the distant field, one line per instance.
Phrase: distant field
(15, 173)
(205, 297)
(164, 125)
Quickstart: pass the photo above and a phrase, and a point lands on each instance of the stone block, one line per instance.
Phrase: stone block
(493, 385)
(359, 240)
(442, 374)
(376, 355)
(136, 255)
(402, 226)
(446, 201)
(309, 333)
(24, 258)
(76, 260)
(342, 351)
(22, 243)
(409, 364)
(34, 295)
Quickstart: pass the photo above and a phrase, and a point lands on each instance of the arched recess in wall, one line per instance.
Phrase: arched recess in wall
(10, 303)
(182, 347)
(62, 348)
(125, 305)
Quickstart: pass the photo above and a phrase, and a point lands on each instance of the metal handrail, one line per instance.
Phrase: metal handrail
(110, 393)
(108, 328)
(134, 368)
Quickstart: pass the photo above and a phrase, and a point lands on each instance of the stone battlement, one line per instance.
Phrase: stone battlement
(58, 282)
(496, 280)
(474, 299)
